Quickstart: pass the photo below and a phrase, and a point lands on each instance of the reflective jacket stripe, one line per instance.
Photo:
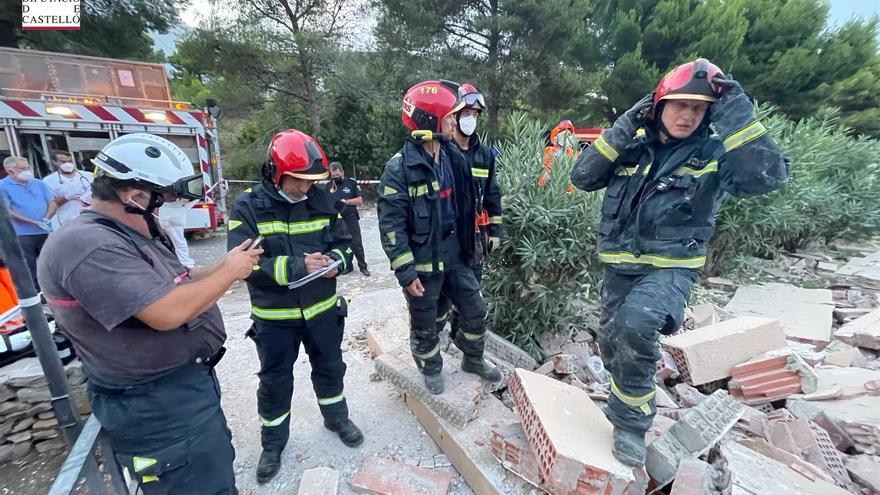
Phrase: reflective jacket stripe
(605, 149)
(294, 313)
(640, 402)
(428, 267)
(331, 400)
(404, 259)
(710, 167)
(746, 134)
(496, 220)
(652, 259)
(480, 173)
(280, 270)
(293, 228)
(274, 422)
(428, 354)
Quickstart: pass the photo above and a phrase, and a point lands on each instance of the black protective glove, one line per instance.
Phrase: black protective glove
(340, 205)
(733, 110)
(626, 125)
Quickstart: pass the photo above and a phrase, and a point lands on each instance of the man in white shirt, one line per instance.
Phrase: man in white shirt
(71, 187)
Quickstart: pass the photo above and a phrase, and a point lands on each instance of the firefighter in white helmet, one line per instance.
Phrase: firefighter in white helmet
(147, 329)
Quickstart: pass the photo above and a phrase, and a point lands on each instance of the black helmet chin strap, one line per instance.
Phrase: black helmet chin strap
(156, 201)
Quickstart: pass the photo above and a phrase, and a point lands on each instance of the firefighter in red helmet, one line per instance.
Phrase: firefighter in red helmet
(662, 190)
(302, 234)
(426, 209)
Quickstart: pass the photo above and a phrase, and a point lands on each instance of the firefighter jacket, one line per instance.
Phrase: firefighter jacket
(290, 231)
(661, 199)
(488, 196)
(409, 210)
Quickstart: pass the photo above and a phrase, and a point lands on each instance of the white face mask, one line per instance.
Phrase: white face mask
(467, 125)
(292, 200)
(24, 175)
(67, 167)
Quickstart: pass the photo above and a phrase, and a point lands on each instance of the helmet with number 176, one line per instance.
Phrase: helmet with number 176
(427, 103)
(296, 154)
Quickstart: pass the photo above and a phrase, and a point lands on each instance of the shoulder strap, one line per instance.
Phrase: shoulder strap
(106, 222)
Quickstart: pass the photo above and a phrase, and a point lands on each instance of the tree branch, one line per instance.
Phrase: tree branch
(472, 40)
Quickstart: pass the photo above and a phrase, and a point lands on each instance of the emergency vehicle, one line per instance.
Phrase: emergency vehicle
(74, 103)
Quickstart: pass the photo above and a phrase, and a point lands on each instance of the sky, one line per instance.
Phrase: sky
(841, 11)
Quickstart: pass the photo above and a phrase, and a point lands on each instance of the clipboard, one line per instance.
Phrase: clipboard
(312, 276)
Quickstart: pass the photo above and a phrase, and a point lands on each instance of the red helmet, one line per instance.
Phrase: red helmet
(296, 154)
(690, 81)
(426, 103)
(564, 125)
(472, 98)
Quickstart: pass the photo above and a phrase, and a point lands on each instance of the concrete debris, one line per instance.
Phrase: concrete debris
(843, 315)
(388, 477)
(570, 436)
(805, 314)
(710, 353)
(666, 368)
(688, 396)
(596, 371)
(807, 410)
(698, 430)
(463, 391)
(806, 440)
(319, 481)
(863, 272)
(862, 332)
(840, 354)
(663, 399)
(393, 334)
(701, 315)
(694, 477)
(566, 364)
(827, 267)
(510, 446)
(761, 446)
(504, 349)
(759, 474)
(722, 284)
(865, 470)
(773, 376)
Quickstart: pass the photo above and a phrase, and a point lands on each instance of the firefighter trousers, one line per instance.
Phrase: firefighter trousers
(636, 309)
(357, 244)
(458, 284)
(447, 312)
(278, 348)
(170, 433)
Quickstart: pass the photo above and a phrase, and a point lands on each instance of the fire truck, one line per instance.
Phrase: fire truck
(61, 102)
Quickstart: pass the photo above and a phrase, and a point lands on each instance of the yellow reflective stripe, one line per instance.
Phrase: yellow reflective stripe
(277, 313)
(233, 224)
(710, 167)
(418, 190)
(147, 479)
(341, 257)
(269, 423)
(605, 149)
(474, 336)
(428, 267)
(482, 173)
(443, 317)
(293, 228)
(640, 132)
(331, 400)
(402, 260)
(634, 401)
(388, 191)
(256, 268)
(248, 189)
(281, 270)
(654, 260)
(746, 134)
(435, 185)
(141, 463)
(391, 238)
(429, 354)
(629, 171)
(318, 308)
(496, 220)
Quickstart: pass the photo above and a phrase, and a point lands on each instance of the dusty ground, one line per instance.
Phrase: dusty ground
(390, 430)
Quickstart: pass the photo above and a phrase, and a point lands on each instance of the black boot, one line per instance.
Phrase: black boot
(480, 367)
(629, 447)
(270, 463)
(365, 272)
(434, 383)
(348, 432)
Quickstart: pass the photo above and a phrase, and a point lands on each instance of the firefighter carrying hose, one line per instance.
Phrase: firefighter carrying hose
(426, 210)
(481, 160)
(303, 233)
(663, 189)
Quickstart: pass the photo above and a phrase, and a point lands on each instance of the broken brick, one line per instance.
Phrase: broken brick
(458, 402)
(666, 368)
(771, 377)
(387, 477)
(566, 364)
(698, 429)
(509, 445)
(757, 473)
(804, 314)
(694, 477)
(710, 353)
(806, 440)
(840, 354)
(570, 436)
(865, 471)
(508, 351)
(862, 332)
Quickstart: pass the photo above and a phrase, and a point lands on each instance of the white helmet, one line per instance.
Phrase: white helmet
(152, 159)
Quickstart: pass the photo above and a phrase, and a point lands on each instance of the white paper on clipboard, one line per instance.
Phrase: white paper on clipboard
(312, 276)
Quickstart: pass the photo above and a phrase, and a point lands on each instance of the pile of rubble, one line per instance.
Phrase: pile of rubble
(777, 392)
(26, 418)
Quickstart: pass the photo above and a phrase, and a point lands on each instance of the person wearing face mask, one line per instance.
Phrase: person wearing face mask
(426, 211)
(148, 331)
(662, 190)
(71, 187)
(31, 206)
(172, 219)
(481, 159)
(562, 139)
(303, 234)
(346, 196)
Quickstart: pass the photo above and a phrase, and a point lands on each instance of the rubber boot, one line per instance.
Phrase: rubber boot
(348, 432)
(269, 465)
(434, 383)
(629, 447)
(485, 370)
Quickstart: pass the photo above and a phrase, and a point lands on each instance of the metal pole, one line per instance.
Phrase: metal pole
(44, 345)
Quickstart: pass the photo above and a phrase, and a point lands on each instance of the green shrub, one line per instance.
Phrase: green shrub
(546, 266)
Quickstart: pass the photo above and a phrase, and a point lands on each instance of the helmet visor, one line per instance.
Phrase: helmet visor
(191, 188)
(473, 100)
